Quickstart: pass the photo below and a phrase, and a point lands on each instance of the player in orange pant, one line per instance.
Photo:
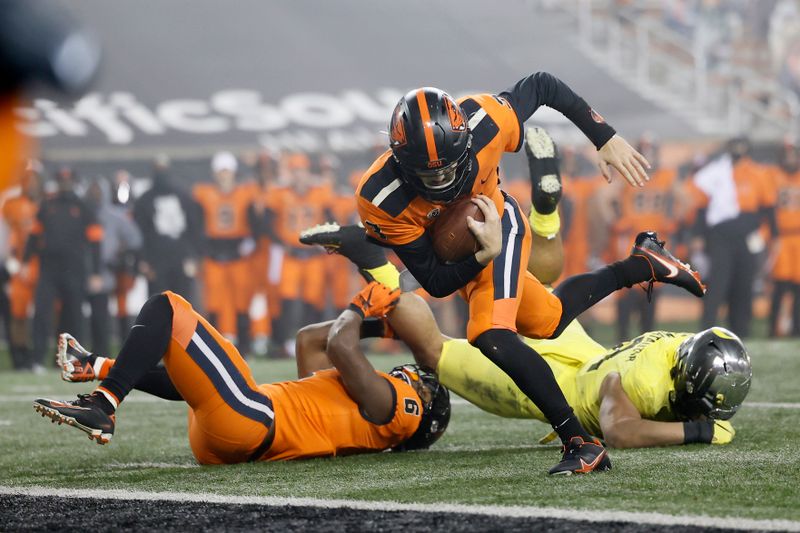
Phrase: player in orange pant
(19, 212)
(648, 207)
(301, 271)
(229, 231)
(786, 259)
(340, 405)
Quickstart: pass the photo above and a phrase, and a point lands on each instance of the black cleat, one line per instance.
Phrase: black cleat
(545, 175)
(349, 241)
(581, 457)
(85, 413)
(665, 267)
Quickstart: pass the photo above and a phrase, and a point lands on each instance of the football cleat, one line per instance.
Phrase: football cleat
(581, 457)
(665, 267)
(545, 175)
(349, 241)
(85, 413)
(75, 361)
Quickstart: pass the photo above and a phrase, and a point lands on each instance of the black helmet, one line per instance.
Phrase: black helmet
(430, 141)
(435, 413)
(712, 375)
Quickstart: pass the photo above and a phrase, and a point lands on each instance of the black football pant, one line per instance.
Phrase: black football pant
(730, 280)
(779, 292)
(57, 282)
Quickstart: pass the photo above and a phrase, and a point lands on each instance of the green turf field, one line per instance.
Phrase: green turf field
(481, 460)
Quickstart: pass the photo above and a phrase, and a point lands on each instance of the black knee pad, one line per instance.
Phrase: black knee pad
(155, 311)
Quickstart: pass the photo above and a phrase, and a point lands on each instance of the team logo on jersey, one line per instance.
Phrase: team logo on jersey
(433, 213)
(397, 137)
(597, 117)
(457, 121)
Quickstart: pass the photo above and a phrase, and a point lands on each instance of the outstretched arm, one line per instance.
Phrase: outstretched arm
(624, 427)
(370, 390)
(541, 88)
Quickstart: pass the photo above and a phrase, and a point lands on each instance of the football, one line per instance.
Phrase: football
(452, 239)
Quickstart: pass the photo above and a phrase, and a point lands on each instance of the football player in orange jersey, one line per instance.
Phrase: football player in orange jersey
(229, 228)
(19, 212)
(440, 150)
(301, 271)
(785, 260)
(340, 405)
(649, 207)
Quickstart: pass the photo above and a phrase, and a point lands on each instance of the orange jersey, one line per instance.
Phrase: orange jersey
(646, 208)
(19, 213)
(225, 215)
(316, 417)
(577, 192)
(294, 212)
(344, 209)
(394, 214)
(788, 202)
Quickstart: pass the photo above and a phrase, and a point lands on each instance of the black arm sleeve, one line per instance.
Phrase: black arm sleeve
(541, 88)
(439, 279)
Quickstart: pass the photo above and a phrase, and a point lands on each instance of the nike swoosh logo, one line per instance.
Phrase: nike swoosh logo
(588, 467)
(137, 326)
(673, 270)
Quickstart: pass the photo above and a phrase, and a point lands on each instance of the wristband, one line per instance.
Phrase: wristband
(373, 328)
(356, 309)
(698, 431)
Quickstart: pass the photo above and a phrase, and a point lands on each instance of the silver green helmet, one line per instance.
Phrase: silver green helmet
(712, 375)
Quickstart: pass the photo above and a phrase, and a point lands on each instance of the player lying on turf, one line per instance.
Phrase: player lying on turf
(342, 406)
(659, 389)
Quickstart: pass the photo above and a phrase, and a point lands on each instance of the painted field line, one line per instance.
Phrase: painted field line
(487, 510)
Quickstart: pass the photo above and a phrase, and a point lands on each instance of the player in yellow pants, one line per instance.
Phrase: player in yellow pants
(645, 392)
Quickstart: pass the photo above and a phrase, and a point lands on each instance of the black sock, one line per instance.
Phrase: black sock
(534, 377)
(571, 427)
(632, 270)
(146, 344)
(579, 293)
(107, 407)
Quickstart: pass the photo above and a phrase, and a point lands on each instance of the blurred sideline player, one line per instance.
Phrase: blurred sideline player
(340, 404)
(441, 150)
(301, 271)
(648, 207)
(785, 265)
(660, 388)
(19, 212)
(229, 230)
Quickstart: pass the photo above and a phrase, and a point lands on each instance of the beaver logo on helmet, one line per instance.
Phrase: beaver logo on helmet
(397, 136)
(458, 121)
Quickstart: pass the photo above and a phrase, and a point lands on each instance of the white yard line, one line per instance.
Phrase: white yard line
(136, 466)
(515, 511)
